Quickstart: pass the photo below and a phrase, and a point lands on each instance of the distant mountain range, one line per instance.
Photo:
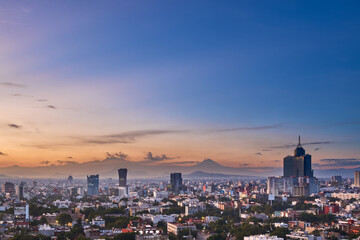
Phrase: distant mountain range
(207, 175)
(108, 168)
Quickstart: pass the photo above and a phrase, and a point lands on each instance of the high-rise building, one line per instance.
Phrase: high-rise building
(122, 177)
(176, 182)
(298, 176)
(357, 179)
(93, 185)
(336, 179)
(19, 191)
(8, 187)
(70, 180)
(298, 165)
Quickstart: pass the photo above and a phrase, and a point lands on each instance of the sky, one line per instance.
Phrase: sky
(233, 81)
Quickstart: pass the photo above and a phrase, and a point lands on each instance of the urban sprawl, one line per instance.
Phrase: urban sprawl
(296, 205)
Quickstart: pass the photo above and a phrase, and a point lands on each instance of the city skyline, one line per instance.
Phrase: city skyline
(174, 84)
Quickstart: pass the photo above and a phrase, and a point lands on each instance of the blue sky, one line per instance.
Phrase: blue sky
(185, 65)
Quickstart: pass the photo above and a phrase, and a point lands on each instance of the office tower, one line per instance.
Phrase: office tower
(298, 165)
(336, 179)
(93, 185)
(8, 187)
(19, 191)
(176, 182)
(281, 185)
(302, 190)
(122, 177)
(70, 180)
(357, 179)
(80, 191)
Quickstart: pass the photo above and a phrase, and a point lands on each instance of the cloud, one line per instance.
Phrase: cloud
(262, 169)
(118, 155)
(150, 158)
(244, 164)
(258, 153)
(41, 100)
(51, 106)
(303, 144)
(180, 163)
(338, 162)
(256, 128)
(16, 95)
(125, 137)
(62, 162)
(11, 84)
(2, 154)
(13, 125)
(45, 162)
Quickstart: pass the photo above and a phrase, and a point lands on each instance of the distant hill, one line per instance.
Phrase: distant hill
(204, 175)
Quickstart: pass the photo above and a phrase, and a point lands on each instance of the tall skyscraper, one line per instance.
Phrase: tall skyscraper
(176, 182)
(298, 165)
(122, 177)
(70, 180)
(93, 185)
(19, 191)
(8, 187)
(357, 178)
(298, 176)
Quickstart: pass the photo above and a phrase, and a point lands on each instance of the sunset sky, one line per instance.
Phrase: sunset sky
(234, 81)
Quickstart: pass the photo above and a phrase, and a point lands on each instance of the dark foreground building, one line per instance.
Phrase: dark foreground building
(176, 182)
(93, 185)
(122, 177)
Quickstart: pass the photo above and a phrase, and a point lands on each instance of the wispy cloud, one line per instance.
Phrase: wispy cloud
(51, 107)
(255, 128)
(62, 162)
(150, 158)
(180, 163)
(45, 162)
(303, 144)
(125, 137)
(244, 164)
(339, 162)
(11, 84)
(41, 100)
(13, 125)
(119, 155)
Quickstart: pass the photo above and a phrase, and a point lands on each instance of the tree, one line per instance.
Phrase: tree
(77, 230)
(162, 225)
(221, 236)
(316, 232)
(308, 217)
(124, 236)
(43, 220)
(280, 232)
(64, 218)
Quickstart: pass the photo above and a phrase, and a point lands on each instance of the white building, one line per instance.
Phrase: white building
(345, 196)
(46, 230)
(176, 227)
(262, 237)
(98, 221)
(165, 218)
